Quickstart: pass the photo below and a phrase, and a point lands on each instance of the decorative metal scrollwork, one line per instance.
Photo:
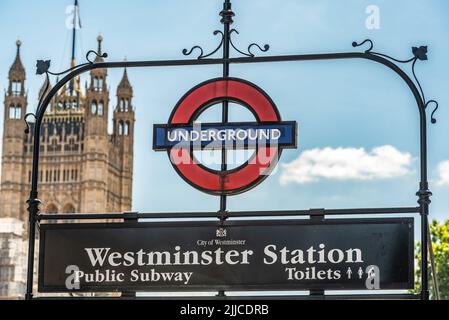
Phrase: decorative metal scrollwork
(103, 55)
(202, 55)
(432, 116)
(248, 52)
(43, 67)
(265, 48)
(27, 123)
(419, 53)
(355, 44)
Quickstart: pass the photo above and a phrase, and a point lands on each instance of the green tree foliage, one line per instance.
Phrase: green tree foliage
(440, 244)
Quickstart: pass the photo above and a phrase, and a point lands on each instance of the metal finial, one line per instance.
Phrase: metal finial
(227, 14)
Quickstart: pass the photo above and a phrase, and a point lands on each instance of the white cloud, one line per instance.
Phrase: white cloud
(347, 164)
(443, 173)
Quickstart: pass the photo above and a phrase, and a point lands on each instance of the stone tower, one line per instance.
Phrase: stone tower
(83, 168)
(123, 120)
(96, 141)
(12, 203)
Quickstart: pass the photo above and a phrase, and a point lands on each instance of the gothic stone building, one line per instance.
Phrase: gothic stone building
(83, 168)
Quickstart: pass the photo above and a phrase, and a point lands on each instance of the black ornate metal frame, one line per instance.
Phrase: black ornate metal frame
(248, 57)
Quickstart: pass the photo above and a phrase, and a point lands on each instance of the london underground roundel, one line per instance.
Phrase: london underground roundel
(268, 135)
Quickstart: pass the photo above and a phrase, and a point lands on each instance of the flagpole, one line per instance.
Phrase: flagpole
(73, 61)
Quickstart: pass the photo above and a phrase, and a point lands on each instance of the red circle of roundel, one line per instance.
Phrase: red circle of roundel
(246, 176)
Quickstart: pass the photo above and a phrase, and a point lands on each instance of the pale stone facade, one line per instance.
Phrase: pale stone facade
(83, 169)
(13, 250)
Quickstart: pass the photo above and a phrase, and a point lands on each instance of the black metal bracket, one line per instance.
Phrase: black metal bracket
(419, 54)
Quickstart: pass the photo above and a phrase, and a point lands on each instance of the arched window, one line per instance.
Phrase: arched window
(126, 128)
(120, 128)
(126, 105)
(51, 209)
(18, 112)
(98, 83)
(68, 208)
(12, 111)
(16, 87)
(122, 105)
(15, 112)
(94, 107)
(101, 108)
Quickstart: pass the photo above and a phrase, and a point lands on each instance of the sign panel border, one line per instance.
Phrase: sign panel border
(42, 288)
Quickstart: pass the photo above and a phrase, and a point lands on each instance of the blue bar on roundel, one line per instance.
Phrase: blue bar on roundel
(245, 135)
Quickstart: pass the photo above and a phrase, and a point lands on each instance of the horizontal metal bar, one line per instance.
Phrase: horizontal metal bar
(243, 298)
(396, 210)
(301, 57)
(220, 61)
(235, 214)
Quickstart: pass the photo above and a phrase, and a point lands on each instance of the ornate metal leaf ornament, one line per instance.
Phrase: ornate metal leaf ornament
(419, 53)
(42, 66)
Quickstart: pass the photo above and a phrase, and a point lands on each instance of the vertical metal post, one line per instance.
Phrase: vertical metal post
(72, 61)
(226, 19)
(131, 295)
(317, 215)
(33, 207)
(33, 210)
(424, 195)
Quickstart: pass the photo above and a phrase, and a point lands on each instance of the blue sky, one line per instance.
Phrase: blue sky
(355, 115)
